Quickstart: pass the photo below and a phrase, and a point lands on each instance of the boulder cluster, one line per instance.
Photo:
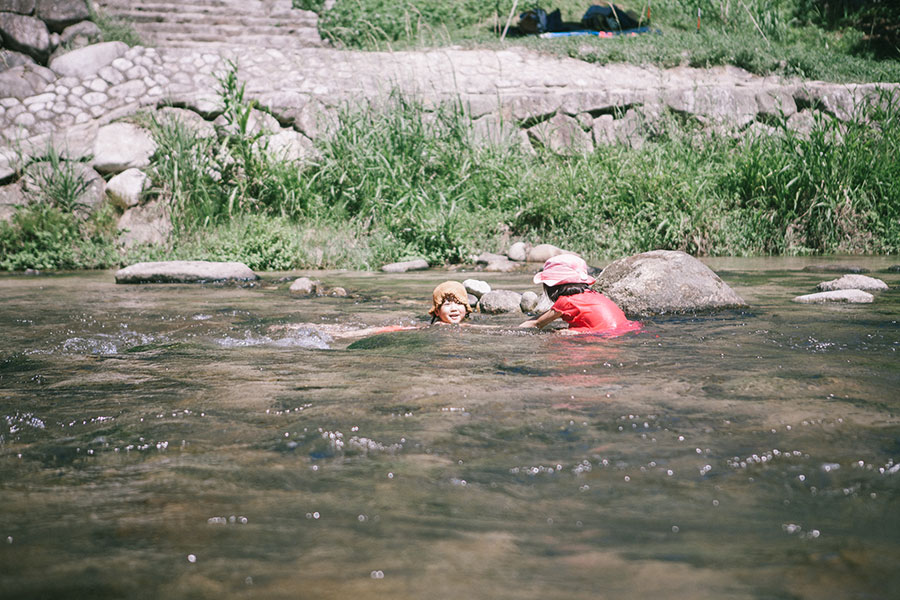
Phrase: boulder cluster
(852, 288)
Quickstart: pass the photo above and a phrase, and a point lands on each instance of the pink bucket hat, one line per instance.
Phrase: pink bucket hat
(565, 268)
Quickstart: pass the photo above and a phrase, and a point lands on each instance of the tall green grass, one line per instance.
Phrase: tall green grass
(53, 230)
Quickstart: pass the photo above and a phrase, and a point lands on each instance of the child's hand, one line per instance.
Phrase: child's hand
(543, 320)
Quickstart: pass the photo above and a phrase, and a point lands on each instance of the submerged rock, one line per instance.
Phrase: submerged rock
(303, 286)
(500, 301)
(665, 281)
(847, 296)
(852, 282)
(184, 271)
(417, 264)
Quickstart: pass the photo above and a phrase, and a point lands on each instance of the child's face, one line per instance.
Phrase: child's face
(451, 312)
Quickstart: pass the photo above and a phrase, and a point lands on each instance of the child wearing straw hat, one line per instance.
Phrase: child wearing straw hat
(449, 303)
(567, 283)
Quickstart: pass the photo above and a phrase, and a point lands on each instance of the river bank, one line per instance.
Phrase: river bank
(406, 181)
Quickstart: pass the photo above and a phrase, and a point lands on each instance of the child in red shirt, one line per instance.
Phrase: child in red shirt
(566, 282)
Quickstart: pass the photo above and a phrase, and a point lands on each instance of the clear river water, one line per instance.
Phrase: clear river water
(173, 441)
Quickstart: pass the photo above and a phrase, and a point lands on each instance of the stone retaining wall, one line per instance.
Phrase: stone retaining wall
(564, 104)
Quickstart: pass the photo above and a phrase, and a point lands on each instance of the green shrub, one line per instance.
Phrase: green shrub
(46, 236)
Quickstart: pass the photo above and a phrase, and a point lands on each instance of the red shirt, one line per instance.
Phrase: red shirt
(591, 311)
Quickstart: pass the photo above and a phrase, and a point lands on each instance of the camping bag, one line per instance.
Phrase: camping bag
(533, 21)
(538, 21)
(608, 18)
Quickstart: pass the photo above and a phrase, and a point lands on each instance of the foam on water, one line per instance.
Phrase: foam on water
(314, 340)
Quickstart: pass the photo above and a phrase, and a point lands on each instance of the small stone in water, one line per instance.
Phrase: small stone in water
(192, 558)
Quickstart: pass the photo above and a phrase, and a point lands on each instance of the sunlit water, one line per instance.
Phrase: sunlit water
(170, 441)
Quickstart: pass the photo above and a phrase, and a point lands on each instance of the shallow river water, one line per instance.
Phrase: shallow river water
(171, 441)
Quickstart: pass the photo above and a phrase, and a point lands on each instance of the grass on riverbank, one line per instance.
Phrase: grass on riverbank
(806, 38)
(399, 181)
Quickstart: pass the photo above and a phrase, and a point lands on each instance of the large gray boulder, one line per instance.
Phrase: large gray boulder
(184, 271)
(25, 34)
(665, 281)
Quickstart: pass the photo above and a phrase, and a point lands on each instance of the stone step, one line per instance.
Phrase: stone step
(212, 7)
(264, 23)
(181, 11)
(216, 19)
(224, 30)
(176, 40)
(235, 5)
